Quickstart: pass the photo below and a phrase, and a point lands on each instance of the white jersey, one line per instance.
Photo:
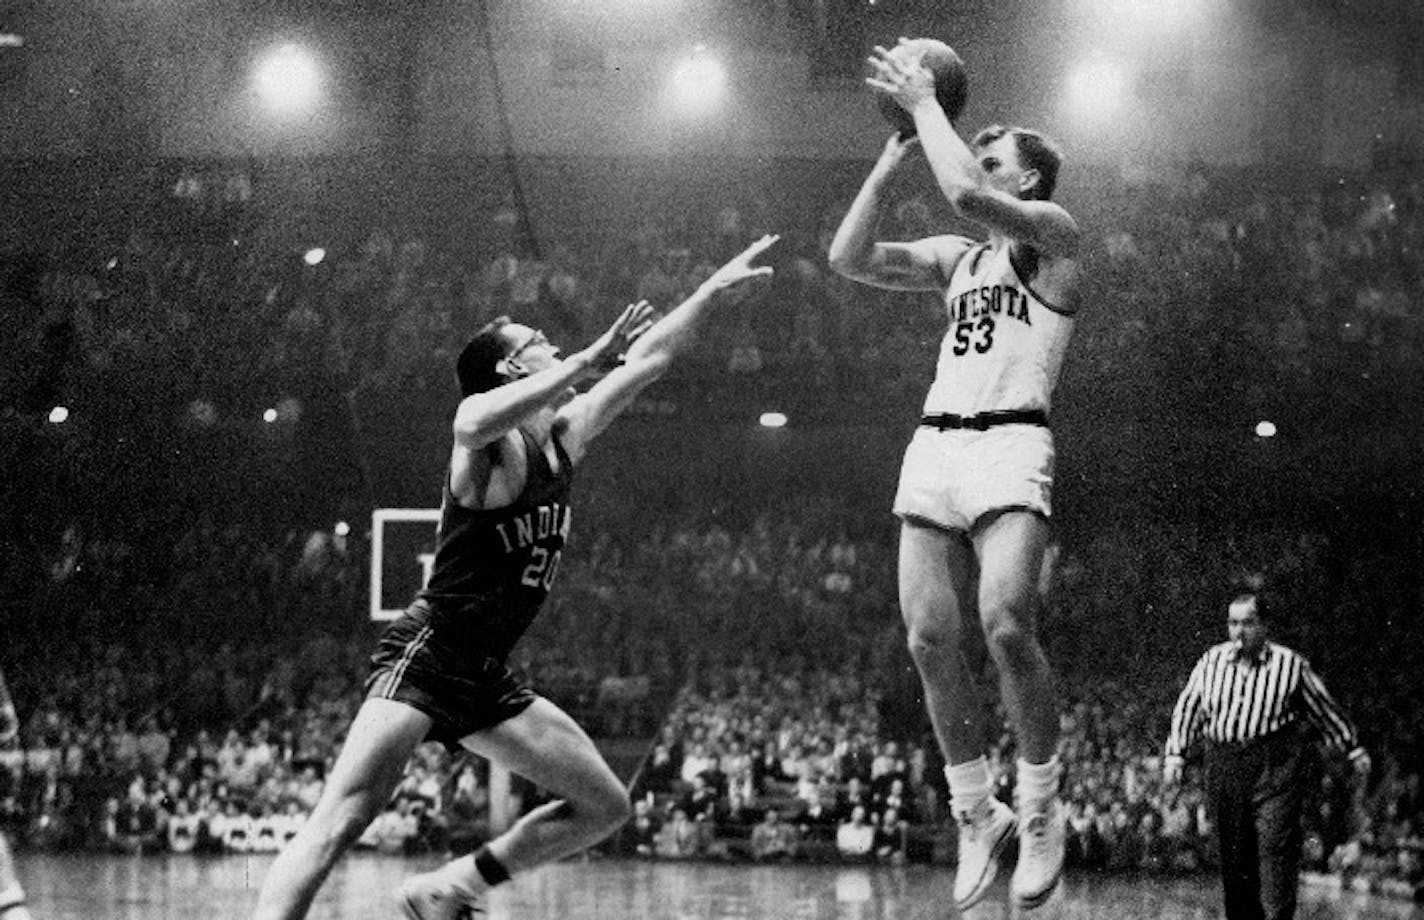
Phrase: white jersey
(1004, 346)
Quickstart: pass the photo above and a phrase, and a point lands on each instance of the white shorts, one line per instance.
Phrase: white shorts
(951, 479)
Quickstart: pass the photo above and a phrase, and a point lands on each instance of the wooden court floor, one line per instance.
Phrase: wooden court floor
(224, 888)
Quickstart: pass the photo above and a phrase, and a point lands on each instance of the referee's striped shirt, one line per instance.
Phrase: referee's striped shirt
(1232, 697)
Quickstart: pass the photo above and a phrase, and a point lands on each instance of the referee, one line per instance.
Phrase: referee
(1251, 702)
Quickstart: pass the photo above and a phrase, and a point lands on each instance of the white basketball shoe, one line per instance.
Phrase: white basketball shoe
(1041, 846)
(984, 832)
(428, 896)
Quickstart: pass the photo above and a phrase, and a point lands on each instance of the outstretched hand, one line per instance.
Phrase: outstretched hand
(901, 77)
(606, 351)
(896, 147)
(740, 269)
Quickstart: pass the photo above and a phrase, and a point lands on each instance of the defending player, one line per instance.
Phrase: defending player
(439, 671)
(974, 489)
(12, 895)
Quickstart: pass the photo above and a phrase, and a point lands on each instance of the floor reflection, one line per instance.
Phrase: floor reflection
(187, 888)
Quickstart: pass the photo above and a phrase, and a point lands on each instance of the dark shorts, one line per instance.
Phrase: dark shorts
(462, 691)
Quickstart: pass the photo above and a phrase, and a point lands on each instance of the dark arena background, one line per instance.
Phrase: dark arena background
(241, 242)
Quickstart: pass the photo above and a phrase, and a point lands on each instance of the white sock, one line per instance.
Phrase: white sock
(12, 903)
(1037, 783)
(969, 784)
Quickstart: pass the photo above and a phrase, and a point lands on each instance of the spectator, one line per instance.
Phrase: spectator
(661, 772)
(699, 800)
(773, 839)
(681, 837)
(467, 816)
(855, 837)
(136, 822)
(236, 828)
(182, 828)
(639, 837)
(891, 838)
(394, 829)
(853, 796)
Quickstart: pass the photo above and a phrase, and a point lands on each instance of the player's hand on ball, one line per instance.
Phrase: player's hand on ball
(900, 75)
(916, 69)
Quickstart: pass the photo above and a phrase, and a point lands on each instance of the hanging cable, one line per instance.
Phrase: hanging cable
(511, 161)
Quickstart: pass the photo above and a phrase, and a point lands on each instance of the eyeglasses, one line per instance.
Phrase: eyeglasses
(537, 337)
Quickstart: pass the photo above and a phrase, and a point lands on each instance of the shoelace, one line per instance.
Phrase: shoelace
(1037, 826)
(967, 822)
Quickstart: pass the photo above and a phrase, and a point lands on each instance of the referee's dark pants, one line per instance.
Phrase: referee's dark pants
(1254, 791)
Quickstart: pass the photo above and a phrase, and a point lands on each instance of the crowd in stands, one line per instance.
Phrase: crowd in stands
(774, 745)
(186, 680)
(207, 293)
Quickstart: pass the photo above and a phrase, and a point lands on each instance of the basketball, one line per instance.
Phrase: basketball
(951, 83)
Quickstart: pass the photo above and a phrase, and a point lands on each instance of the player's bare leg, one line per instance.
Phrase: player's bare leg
(378, 744)
(547, 747)
(12, 895)
(1010, 547)
(936, 585)
(936, 588)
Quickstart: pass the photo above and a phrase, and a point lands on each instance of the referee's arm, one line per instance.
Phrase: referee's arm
(1330, 720)
(1186, 723)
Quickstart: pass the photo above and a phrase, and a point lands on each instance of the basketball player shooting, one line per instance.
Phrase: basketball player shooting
(439, 670)
(974, 492)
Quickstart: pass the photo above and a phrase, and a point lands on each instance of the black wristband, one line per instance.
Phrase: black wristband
(489, 867)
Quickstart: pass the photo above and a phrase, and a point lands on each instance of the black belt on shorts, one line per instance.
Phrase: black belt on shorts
(986, 420)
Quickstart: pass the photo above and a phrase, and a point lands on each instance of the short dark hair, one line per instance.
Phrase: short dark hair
(476, 369)
(1035, 151)
(1265, 607)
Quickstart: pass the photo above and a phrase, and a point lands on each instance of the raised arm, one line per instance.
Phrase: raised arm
(923, 265)
(653, 351)
(957, 170)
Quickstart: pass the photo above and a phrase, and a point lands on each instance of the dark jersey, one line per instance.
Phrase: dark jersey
(493, 568)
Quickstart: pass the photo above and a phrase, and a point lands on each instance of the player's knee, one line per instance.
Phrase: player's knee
(338, 829)
(930, 643)
(606, 805)
(611, 808)
(1010, 640)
